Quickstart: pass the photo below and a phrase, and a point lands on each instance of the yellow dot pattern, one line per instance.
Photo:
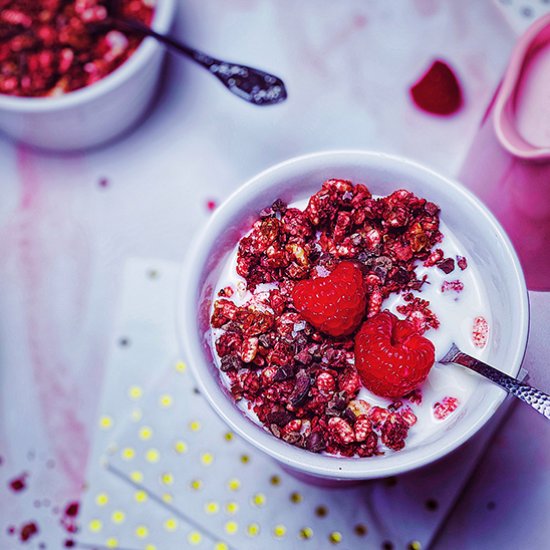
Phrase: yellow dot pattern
(111, 543)
(135, 392)
(95, 526)
(136, 476)
(166, 401)
(306, 533)
(145, 433)
(118, 516)
(101, 499)
(259, 499)
(180, 447)
(234, 484)
(228, 436)
(150, 547)
(253, 530)
(221, 546)
(211, 507)
(136, 415)
(181, 366)
(194, 538)
(207, 458)
(194, 425)
(171, 524)
(415, 545)
(279, 530)
(142, 531)
(275, 480)
(128, 453)
(231, 527)
(167, 497)
(232, 507)
(296, 497)
(335, 537)
(152, 455)
(245, 459)
(140, 496)
(105, 422)
(196, 484)
(167, 478)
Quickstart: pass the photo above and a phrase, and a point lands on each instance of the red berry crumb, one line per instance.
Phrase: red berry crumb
(442, 409)
(437, 91)
(480, 332)
(391, 357)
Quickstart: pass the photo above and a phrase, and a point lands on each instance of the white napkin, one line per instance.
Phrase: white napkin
(166, 473)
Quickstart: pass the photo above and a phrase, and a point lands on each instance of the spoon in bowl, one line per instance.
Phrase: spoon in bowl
(539, 400)
(252, 85)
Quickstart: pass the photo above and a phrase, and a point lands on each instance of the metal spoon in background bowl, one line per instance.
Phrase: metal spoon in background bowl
(539, 400)
(252, 85)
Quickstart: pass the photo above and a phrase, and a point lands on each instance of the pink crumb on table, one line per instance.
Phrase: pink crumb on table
(442, 409)
(19, 483)
(211, 205)
(438, 90)
(480, 332)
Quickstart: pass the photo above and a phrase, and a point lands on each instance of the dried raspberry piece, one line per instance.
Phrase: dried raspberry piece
(480, 332)
(391, 357)
(249, 349)
(438, 91)
(434, 257)
(452, 286)
(408, 416)
(414, 396)
(228, 343)
(442, 409)
(325, 383)
(334, 304)
(296, 224)
(394, 431)
(418, 313)
(378, 416)
(462, 262)
(447, 265)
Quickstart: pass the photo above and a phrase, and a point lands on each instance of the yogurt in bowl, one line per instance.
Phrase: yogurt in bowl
(485, 291)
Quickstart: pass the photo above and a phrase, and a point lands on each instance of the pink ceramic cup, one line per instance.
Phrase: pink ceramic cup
(508, 165)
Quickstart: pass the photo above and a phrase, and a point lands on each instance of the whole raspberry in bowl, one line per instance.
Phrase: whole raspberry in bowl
(67, 85)
(302, 370)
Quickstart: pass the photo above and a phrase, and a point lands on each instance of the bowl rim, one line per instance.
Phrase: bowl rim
(299, 459)
(163, 17)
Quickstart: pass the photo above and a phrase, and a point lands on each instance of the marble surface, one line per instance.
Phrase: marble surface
(64, 236)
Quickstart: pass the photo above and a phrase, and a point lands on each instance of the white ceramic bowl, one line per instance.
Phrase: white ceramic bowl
(97, 113)
(485, 243)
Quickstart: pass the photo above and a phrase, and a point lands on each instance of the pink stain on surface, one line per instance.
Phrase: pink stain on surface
(211, 205)
(19, 483)
(427, 7)
(39, 246)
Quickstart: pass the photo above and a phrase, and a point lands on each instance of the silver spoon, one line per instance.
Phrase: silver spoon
(539, 400)
(252, 85)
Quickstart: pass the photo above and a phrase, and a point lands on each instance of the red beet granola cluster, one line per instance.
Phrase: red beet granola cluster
(51, 47)
(302, 383)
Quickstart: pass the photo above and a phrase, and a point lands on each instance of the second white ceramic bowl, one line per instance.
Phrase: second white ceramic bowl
(485, 243)
(97, 113)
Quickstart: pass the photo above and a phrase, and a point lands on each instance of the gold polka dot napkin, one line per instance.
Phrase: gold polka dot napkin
(166, 473)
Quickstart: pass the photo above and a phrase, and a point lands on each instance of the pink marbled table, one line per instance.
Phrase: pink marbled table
(64, 236)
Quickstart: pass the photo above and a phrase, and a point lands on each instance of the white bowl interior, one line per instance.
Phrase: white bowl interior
(483, 239)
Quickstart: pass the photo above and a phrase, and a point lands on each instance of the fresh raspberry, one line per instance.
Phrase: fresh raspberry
(334, 304)
(391, 357)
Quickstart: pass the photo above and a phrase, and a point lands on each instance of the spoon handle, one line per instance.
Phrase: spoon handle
(252, 85)
(539, 400)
